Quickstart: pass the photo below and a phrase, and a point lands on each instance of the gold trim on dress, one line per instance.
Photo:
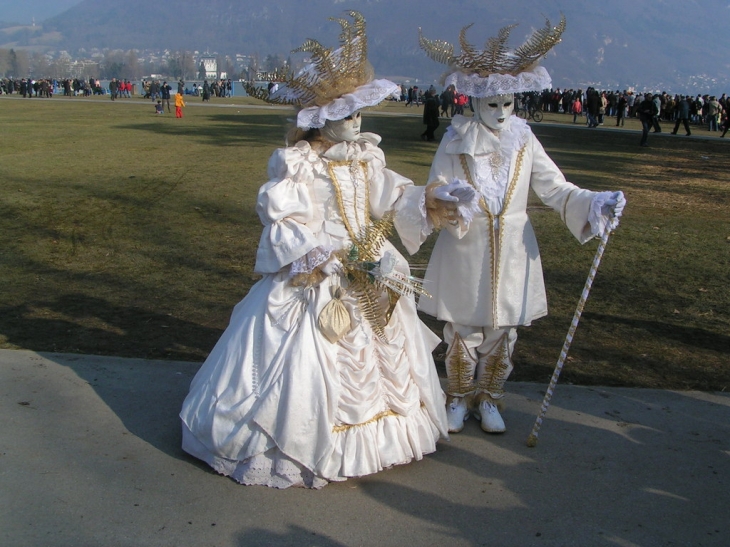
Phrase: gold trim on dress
(385, 414)
(352, 165)
(366, 244)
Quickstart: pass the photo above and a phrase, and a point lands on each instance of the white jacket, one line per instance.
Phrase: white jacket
(490, 274)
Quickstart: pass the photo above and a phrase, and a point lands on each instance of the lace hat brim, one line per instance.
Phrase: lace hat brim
(370, 94)
(474, 85)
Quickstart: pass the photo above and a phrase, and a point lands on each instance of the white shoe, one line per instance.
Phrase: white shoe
(457, 413)
(492, 421)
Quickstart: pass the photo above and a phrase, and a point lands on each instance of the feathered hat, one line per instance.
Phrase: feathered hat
(336, 83)
(497, 70)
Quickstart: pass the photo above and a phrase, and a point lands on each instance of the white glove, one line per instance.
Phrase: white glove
(331, 267)
(457, 191)
(606, 209)
(464, 193)
(614, 206)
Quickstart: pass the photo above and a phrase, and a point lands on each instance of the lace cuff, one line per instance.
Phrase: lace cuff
(439, 213)
(468, 210)
(307, 263)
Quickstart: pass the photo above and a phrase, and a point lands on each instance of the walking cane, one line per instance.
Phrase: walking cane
(532, 439)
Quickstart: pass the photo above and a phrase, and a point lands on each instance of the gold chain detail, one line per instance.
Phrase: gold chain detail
(352, 165)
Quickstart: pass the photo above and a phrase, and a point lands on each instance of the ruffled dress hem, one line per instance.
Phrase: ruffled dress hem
(358, 450)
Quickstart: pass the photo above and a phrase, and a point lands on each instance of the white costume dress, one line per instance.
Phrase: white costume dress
(490, 274)
(276, 403)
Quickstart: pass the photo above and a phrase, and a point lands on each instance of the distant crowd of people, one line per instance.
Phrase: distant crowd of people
(595, 105)
(591, 106)
(116, 88)
(47, 87)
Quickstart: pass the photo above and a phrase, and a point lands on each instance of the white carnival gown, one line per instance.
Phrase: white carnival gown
(276, 403)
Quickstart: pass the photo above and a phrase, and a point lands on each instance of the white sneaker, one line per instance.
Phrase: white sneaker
(457, 413)
(492, 421)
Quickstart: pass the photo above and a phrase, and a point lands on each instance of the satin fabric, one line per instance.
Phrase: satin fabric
(276, 403)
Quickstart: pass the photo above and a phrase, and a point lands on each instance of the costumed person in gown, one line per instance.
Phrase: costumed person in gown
(325, 371)
(487, 280)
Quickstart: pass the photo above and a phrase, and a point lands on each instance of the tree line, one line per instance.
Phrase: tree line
(129, 64)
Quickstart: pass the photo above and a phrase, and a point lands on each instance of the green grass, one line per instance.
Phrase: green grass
(125, 233)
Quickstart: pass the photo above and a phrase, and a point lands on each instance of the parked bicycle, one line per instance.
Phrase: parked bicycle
(530, 113)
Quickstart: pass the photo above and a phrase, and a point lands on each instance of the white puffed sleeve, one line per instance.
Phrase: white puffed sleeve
(285, 206)
(411, 220)
(386, 186)
(390, 191)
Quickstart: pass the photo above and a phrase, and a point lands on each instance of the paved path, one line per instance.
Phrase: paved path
(89, 456)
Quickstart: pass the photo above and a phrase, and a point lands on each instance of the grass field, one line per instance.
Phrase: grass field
(125, 233)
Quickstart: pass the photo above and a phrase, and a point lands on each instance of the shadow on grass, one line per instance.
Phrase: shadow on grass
(621, 161)
(683, 334)
(227, 130)
(79, 323)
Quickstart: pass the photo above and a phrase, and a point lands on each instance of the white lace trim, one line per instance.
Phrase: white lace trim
(417, 216)
(492, 169)
(370, 94)
(307, 263)
(274, 469)
(500, 84)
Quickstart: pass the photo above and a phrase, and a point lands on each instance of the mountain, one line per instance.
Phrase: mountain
(25, 12)
(673, 45)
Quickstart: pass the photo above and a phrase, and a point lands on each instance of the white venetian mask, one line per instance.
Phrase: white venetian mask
(347, 129)
(494, 112)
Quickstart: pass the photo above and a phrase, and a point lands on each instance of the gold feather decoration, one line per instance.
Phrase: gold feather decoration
(363, 286)
(496, 368)
(469, 53)
(461, 376)
(496, 58)
(368, 300)
(495, 51)
(331, 74)
(539, 43)
(439, 50)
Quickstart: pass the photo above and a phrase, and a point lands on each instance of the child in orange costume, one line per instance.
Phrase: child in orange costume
(179, 103)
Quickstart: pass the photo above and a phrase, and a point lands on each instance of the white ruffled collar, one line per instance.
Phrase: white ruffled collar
(473, 138)
(348, 150)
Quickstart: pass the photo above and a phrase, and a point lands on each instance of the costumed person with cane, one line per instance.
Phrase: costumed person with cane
(486, 278)
(325, 371)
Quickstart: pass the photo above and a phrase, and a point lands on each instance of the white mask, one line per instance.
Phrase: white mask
(494, 112)
(347, 129)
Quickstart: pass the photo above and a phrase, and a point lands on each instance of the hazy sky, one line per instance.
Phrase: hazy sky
(23, 11)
